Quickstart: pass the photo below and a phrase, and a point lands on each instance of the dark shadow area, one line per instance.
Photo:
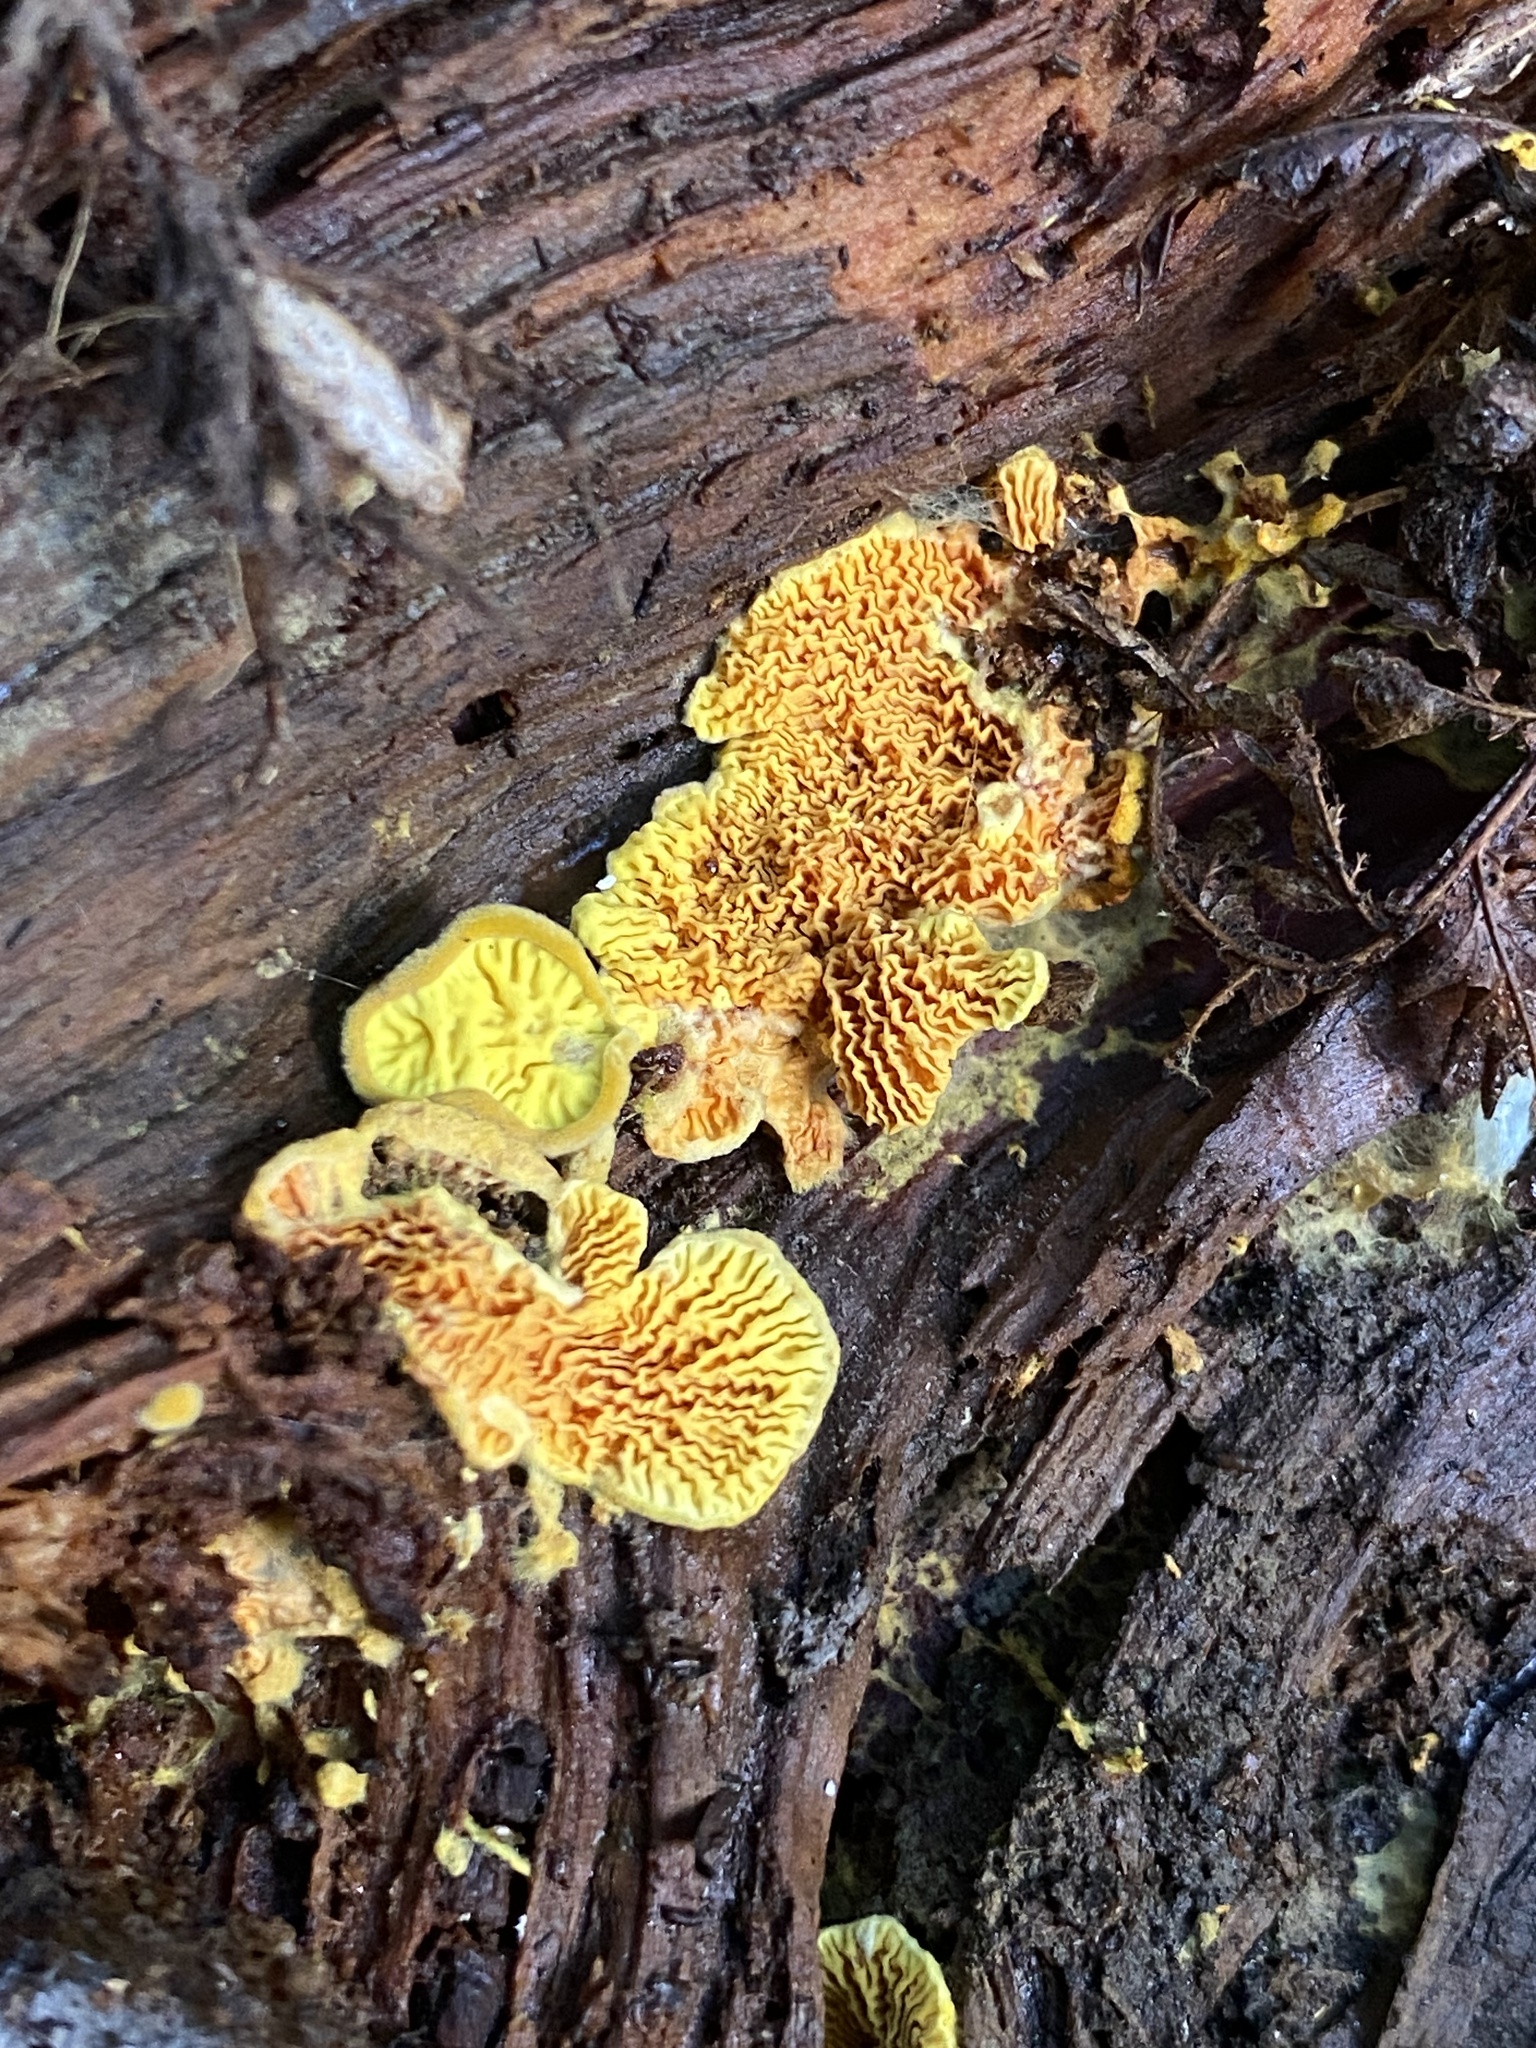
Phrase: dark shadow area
(961, 1706)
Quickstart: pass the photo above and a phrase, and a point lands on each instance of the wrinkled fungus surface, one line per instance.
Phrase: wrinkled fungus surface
(882, 1989)
(683, 1391)
(507, 1004)
(826, 903)
(1028, 490)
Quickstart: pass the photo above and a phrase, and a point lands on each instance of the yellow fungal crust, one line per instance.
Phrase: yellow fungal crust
(1256, 527)
(1028, 490)
(340, 1785)
(882, 1989)
(507, 1005)
(173, 1409)
(287, 1592)
(868, 781)
(683, 1392)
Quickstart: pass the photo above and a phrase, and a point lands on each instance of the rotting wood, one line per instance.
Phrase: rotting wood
(737, 323)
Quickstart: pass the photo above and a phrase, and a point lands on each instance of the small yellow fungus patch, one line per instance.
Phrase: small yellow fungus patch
(508, 1005)
(682, 1391)
(1080, 1731)
(173, 1409)
(454, 1851)
(1028, 490)
(326, 1744)
(1255, 527)
(1208, 1925)
(288, 1593)
(821, 906)
(497, 1842)
(1521, 145)
(1124, 1763)
(882, 1989)
(1183, 1352)
(340, 1785)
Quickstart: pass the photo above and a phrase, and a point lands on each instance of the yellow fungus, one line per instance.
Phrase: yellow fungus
(329, 1743)
(466, 1535)
(507, 1005)
(1255, 526)
(869, 783)
(173, 1409)
(1028, 488)
(454, 1851)
(682, 1391)
(882, 1989)
(287, 1594)
(1183, 1352)
(1208, 1925)
(1124, 1763)
(1080, 1731)
(455, 1847)
(496, 1842)
(340, 1785)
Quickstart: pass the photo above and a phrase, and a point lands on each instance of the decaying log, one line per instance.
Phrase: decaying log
(720, 284)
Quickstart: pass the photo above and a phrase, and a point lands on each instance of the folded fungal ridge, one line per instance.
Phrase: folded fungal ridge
(882, 1989)
(506, 1005)
(823, 903)
(682, 1390)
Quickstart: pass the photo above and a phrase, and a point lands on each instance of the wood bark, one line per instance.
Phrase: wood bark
(735, 279)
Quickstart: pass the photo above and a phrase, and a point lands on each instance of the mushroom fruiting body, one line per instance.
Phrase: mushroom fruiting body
(874, 810)
(682, 1391)
(882, 1989)
(506, 1005)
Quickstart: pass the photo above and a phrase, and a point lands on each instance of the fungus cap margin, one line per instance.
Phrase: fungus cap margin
(882, 1989)
(506, 1003)
(682, 1391)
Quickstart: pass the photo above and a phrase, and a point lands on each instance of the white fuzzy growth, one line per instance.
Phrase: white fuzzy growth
(412, 442)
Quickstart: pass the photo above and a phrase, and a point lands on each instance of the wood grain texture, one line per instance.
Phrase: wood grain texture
(747, 276)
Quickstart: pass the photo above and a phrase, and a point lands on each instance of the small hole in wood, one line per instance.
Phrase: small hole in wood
(483, 718)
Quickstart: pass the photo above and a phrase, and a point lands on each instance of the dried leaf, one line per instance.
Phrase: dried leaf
(1430, 148)
(415, 445)
(1474, 968)
(1393, 699)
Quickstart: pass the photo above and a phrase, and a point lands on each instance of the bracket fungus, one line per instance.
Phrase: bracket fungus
(682, 1390)
(507, 1005)
(824, 905)
(882, 1989)
(1028, 490)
